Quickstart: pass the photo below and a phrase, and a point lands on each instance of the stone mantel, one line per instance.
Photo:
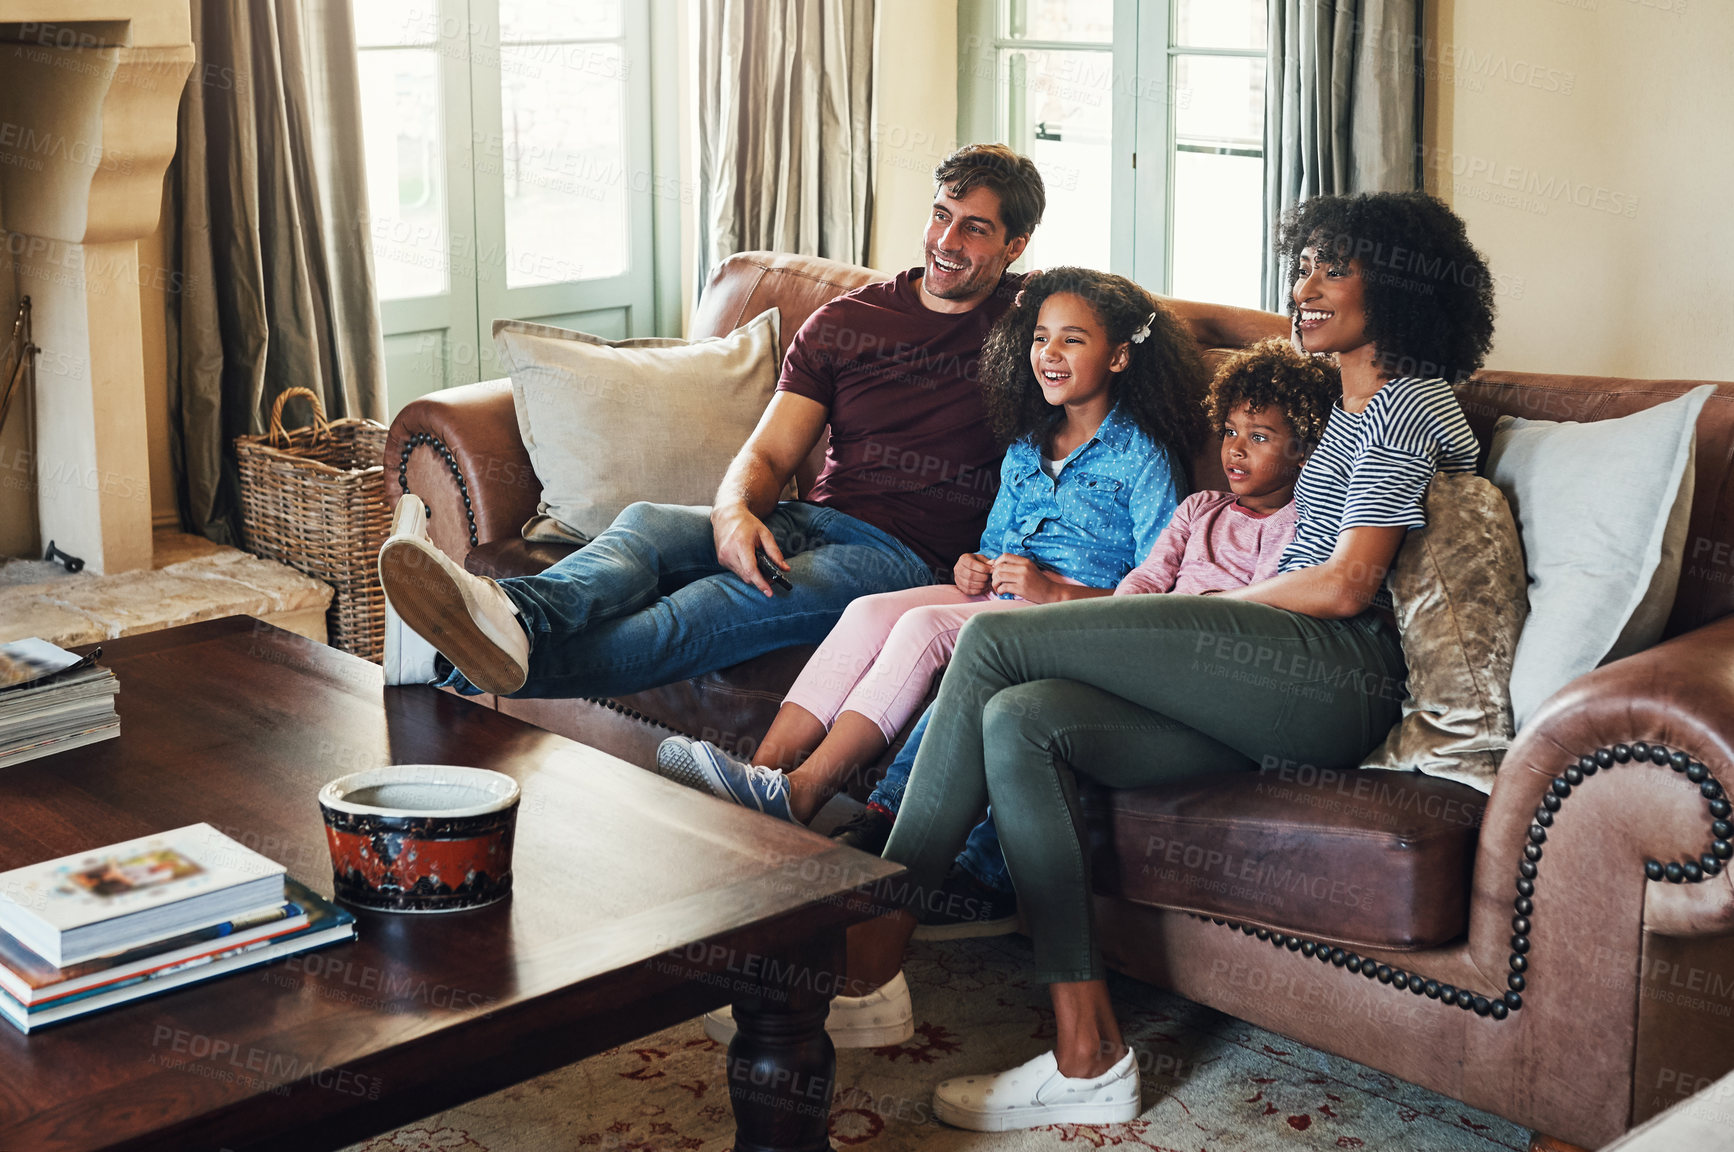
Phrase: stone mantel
(89, 95)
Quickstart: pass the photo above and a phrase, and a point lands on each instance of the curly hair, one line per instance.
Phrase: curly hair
(1428, 293)
(1161, 388)
(1271, 374)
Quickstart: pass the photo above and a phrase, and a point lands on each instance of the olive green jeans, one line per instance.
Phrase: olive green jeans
(1131, 691)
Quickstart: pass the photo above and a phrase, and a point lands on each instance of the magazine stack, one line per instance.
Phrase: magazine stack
(96, 929)
(52, 700)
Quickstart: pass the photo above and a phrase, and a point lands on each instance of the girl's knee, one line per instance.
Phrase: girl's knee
(920, 623)
(877, 613)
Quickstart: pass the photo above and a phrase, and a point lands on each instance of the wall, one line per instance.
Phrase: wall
(914, 122)
(1586, 145)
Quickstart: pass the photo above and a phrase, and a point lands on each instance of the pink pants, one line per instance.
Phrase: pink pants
(883, 655)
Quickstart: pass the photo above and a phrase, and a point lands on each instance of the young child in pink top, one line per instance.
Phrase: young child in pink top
(1271, 404)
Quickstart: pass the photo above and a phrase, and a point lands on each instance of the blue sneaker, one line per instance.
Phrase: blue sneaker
(674, 762)
(709, 769)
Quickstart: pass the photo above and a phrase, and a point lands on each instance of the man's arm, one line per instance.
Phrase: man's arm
(1342, 586)
(758, 474)
(1223, 326)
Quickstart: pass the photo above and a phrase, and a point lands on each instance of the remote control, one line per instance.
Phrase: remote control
(771, 572)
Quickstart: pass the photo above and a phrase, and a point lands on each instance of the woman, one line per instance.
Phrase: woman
(1137, 690)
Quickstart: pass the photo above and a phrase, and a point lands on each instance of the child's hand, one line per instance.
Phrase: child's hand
(972, 573)
(1020, 576)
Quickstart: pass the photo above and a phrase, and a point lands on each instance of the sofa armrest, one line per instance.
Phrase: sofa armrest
(1677, 696)
(1580, 937)
(459, 450)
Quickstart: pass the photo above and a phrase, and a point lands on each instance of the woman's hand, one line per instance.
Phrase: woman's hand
(972, 573)
(1022, 577)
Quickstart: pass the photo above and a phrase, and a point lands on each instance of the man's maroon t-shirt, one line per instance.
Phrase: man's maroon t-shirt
(911, 452)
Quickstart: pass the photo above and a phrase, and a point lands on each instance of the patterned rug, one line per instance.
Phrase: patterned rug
(1211, 1084)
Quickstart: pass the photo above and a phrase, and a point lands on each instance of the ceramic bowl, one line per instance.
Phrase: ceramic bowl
(421, 837)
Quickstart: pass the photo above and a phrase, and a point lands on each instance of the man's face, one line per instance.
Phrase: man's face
(966, 247)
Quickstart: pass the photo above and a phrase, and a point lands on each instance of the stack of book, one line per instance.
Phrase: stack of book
(96, 929)
(52, 700)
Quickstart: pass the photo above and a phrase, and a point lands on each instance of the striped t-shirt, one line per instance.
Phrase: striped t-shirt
(1372, 468)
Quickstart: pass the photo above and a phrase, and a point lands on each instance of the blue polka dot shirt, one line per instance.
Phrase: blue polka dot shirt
(1100, 517)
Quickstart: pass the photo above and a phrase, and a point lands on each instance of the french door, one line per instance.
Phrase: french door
(511, 168)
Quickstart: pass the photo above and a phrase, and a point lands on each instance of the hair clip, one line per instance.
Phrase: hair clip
(1143, 330)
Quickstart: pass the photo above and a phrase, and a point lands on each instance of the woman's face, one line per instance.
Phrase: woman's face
(1330, 310)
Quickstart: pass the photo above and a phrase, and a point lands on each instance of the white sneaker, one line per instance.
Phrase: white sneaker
(884, 1016)
(408, 658)
(465, 616)
(1034, 1094)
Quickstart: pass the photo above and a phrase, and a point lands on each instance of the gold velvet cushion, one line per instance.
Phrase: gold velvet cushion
(608, 422)
(1459, 592)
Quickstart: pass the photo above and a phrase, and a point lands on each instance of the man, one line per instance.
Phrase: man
(669, 592)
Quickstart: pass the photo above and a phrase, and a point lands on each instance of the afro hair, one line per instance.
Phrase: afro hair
(1271, 374)
(1429, 295)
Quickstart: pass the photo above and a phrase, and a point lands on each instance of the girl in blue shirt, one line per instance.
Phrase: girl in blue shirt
(1097, 391)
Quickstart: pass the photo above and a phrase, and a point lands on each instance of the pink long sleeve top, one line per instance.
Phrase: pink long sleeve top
(1212, 544)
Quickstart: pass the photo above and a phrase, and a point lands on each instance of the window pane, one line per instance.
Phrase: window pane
(405, 170)
(391, 23)
(1220, 23)
(558, 19)
(1060, 114)
(563, 158)
(1218, 228)
(1220, 100)
(1087, 21)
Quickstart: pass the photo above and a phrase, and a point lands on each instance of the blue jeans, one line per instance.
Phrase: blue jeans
(981, 856)
(648, 603)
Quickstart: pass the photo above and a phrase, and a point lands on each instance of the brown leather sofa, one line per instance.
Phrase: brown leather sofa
(1372, 914)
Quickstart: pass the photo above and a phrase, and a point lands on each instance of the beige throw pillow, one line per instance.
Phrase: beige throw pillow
(1459, 593)
(609, 422)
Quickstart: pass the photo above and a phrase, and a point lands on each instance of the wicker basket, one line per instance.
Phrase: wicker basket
(314, 499)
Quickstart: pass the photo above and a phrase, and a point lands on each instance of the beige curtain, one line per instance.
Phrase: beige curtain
(266, 216)
(785, 93)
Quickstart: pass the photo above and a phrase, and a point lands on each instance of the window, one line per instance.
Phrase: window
(1147, 121)
(511, 157)
(1216, 181)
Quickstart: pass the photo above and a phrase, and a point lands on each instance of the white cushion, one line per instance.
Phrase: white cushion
(1602, 509)
(609, 422)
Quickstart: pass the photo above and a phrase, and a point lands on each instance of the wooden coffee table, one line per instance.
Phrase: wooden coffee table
(637, 904)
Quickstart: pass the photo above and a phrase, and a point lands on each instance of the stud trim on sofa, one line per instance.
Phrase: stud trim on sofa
(630, 713)
(415, 441)
(1706, 865)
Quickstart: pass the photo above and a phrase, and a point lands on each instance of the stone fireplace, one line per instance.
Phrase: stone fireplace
(89, 93)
